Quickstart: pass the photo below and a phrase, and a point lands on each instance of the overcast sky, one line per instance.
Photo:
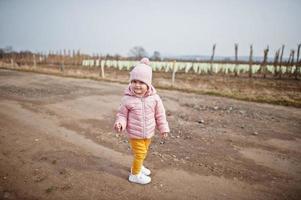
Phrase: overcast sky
(172, 27)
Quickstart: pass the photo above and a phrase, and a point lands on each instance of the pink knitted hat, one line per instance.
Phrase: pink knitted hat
(142, 72)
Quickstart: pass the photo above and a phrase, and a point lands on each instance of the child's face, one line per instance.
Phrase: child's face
(139, 87)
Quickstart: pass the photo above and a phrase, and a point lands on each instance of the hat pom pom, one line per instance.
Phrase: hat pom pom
(145, 61)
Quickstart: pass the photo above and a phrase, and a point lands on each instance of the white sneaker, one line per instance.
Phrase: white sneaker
(145, 171)
(139, 178)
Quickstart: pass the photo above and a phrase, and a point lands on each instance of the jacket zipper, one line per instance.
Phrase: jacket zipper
(143, 111)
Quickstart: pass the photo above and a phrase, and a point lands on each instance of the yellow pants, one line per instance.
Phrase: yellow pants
(139, 149)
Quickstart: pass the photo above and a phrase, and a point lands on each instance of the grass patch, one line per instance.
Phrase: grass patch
(51, 189)
(279, 91)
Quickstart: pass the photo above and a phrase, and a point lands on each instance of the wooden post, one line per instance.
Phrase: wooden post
(62, 64)
(292, 62)
(211, 60)
(117, 60)
(236, 59)
(48, 57)
(250, 60)
(45, 58)
(288, 63)
(102, 69)
(25, 58)
(280, 62)
(72, 57)
(173, 73)
(264, 63)
(34, 61)
(297, 70)
(12, 62)
(276, 63)
(61, 61)
(78, 58)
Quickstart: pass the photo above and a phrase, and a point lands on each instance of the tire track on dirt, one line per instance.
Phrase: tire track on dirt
(50, 127)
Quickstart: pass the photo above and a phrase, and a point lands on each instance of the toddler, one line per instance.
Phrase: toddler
(140, 112)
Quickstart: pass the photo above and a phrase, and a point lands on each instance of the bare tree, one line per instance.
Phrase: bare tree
(138, 52)
(265, 60)
(8, 49)
(156, 56)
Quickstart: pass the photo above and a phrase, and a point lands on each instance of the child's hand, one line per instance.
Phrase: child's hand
(164, 135)
(118, 127)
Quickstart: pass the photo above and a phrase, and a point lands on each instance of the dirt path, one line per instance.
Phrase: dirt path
(56, 142)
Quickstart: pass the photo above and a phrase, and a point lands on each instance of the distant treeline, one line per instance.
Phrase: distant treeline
(75, 57)
(278, 67)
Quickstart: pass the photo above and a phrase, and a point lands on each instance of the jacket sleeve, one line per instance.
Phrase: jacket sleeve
(160, 116)
(122, 114)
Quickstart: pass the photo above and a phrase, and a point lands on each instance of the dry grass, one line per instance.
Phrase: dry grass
(274, 91)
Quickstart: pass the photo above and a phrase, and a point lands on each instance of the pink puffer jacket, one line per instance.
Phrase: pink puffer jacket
(141, 115)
